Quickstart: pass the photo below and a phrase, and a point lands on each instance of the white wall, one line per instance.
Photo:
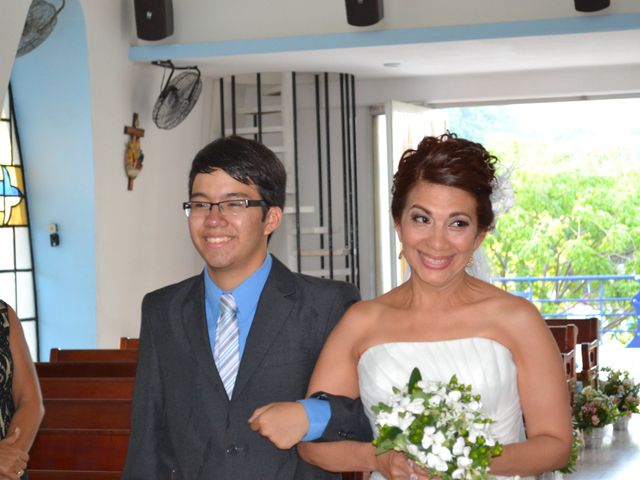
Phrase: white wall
(14, 13)
(222, 20)
(141, 235)
(571, 83)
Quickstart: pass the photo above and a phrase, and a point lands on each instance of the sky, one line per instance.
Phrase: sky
(575, 125)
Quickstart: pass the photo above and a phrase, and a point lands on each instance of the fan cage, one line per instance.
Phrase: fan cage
(41, 20)
(177, 99)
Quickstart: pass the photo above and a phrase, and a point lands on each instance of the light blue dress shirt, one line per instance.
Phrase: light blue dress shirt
(246, 296)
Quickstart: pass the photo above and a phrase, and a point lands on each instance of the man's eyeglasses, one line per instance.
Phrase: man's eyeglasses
(226, 207)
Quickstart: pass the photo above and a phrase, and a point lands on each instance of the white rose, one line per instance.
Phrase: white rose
(454, 396)
(405, 421)
(443, 452)
(474, 406)
(435, 462)
(413, 449)
(458, 473)
(427, 437)
(458, 446)
(416, 406)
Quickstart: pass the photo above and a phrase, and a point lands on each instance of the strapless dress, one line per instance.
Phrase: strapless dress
(483, 363)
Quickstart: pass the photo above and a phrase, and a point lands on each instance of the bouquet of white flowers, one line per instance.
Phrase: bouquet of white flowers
(439, 426)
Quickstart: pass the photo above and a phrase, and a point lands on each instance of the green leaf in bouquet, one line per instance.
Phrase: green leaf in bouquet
(429, 419)
(414, 379)
(381, 407)
(387, 433)
(384, 446)
(416, 431)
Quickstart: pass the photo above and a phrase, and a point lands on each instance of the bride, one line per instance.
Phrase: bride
(445, 322)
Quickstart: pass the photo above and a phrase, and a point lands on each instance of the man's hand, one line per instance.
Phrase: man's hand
(284, 423)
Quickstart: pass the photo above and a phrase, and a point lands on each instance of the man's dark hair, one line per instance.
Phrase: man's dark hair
(246, 161)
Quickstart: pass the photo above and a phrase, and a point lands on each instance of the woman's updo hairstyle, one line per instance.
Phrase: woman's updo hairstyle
(450, 161)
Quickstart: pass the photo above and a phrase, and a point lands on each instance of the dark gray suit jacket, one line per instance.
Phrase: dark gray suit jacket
(183, 425)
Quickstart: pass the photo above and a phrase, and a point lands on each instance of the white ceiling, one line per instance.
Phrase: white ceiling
(442, 58)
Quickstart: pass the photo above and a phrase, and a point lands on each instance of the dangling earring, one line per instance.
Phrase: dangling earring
(400, 255)
(470, 262)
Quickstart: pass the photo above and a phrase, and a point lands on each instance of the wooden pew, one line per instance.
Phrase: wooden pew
(85, 430)
(127, 343)
(101, 450)
(88, 355)
(588, 339)
(86, 369)
(355, 476)
(72, 475)
(566, 337)
(117, 388)
(87, 413)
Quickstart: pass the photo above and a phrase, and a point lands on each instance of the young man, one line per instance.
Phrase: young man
(244, 333)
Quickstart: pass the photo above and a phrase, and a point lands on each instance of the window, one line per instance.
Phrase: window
(17, 286)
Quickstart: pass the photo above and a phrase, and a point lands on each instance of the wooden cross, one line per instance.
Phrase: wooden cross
(133, 155)
(134, 130)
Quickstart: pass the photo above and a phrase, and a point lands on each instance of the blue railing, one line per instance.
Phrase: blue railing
(586, 291)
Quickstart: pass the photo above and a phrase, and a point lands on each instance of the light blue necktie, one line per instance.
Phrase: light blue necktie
(227, 344)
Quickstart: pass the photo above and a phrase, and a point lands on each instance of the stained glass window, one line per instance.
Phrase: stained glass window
(17, 286)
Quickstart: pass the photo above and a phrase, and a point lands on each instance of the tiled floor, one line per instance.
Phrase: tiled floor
(617, 459)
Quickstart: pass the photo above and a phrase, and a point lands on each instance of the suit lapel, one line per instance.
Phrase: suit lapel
(274, 307)
(195, 326)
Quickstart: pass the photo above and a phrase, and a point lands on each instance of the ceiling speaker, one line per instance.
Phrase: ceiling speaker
(362, 13)
(591, 5)
(154, 19)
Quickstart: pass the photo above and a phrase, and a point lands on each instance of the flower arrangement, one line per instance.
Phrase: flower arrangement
(593, 409)
(624, 392)
(439, 426)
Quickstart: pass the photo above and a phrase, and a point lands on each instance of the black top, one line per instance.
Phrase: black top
(6, 372)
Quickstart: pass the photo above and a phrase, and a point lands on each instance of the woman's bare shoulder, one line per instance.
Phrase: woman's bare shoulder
(504, 304)
(514, 319)
(363, 312)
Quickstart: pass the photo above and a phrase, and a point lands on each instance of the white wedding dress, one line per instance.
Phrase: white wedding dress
(483, 363)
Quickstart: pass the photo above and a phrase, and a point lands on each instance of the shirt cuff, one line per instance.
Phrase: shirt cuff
(319, 413)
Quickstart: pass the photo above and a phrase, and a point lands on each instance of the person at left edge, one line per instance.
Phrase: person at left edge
(21, 407)
(185, 426)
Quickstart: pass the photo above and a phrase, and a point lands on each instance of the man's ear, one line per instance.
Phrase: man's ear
(272, 220)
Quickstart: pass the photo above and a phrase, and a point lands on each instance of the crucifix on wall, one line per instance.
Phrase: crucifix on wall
(133, 156)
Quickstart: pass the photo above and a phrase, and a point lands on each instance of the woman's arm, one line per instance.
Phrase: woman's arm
(543, 395)
(348, 456)
(286, 423)
(336, 372)
(27, 399)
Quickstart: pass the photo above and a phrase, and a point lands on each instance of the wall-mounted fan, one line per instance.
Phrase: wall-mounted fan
(178, 96)
(41, 19)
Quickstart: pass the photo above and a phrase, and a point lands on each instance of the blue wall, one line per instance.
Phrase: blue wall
(53, 110)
